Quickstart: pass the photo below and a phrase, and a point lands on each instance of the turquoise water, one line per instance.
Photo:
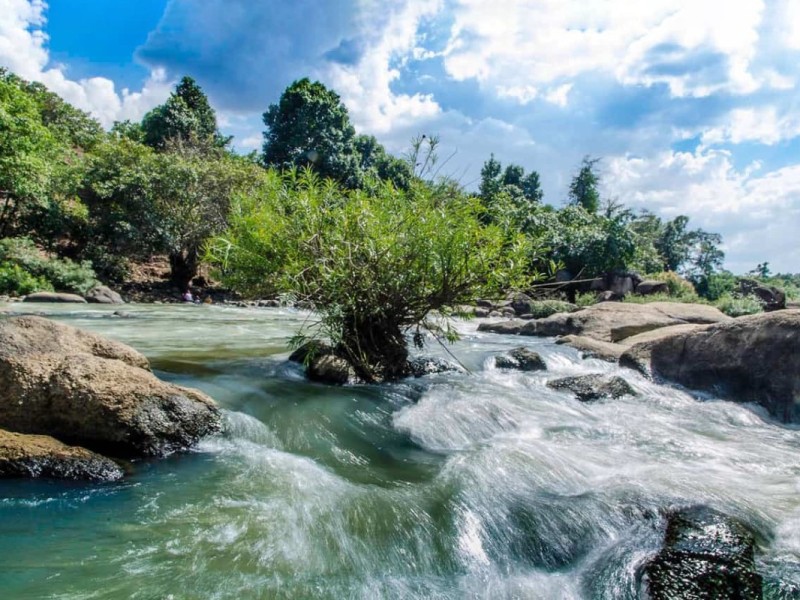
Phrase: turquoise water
(488, 485)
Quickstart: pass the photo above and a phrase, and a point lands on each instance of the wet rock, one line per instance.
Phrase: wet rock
(521, 359)
(706, 556)
(521, 303)
(593, 387)
(33, 456)
(430, 365)
(329, 368)
(54, 297)
(750, 359)
(268, 303)
(615, 321)
(103, 295)
(592, 348)
(504, 327)
(482, 303)
(82, 388)
(648, 287)
(507, 313)
(482, 313)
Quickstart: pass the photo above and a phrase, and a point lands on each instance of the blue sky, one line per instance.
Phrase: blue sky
(693, 105)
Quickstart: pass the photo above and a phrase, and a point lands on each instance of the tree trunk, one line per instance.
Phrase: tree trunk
(183, 267)
(376, 349)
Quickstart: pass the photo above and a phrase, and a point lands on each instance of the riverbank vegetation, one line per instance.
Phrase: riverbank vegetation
(372, 242)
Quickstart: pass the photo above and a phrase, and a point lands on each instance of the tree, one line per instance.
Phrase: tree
(186, 116)
(310, 127)
(583, 188)
(376, 163)
(372, 263)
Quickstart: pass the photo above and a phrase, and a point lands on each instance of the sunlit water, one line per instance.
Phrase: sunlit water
(487, 485)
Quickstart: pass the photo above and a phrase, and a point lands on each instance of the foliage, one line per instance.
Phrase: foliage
(26, 266)
(186, 117)
(544, 308)
(679, 289)
(735, 305)
(373, 264)
(16, 281)
(583, 190)
(584, 299)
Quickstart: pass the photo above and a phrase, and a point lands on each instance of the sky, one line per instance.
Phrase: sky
(692, 105)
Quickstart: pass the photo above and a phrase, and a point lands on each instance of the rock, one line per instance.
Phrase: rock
(483, 303)
(310, 349)
(771, 298)
(329, 368)
(544, 308)
(615, 321)
(508, 313)
(609, 296)
(593, 387)
(482, 313)
(522, 359)
(750, 359)
(122, 314)
(430, 365)
(268, 303)
(42, 456)
(598, 285)
(79, 387)
(623, 284)
(103, 295)
(592, 348)
(706, 555)
(495, 314)
(54, 297)
(521, 303)
(649, 287)
(636, 349)
(504, 327)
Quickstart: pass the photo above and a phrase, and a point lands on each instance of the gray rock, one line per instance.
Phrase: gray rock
(521, 303)
(483, 303)
(430, 365)
(74, 385)
(103, 295)
(310, 350)
(482, 313)
(35, 456)
(649, 287)
(706, 556)
(592, 348)
(750, 359)
(593, 387)
(770, 297)
(329, 368)
(54, 297)
(522, 359)
(504, 327)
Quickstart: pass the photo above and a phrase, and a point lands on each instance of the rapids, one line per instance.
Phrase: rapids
(488, 485)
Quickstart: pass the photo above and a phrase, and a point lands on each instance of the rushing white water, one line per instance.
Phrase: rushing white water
(489, 485)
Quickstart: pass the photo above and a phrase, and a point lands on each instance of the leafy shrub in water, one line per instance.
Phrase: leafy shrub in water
(20, 256)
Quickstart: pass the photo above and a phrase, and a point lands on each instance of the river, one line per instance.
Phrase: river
(483, 485)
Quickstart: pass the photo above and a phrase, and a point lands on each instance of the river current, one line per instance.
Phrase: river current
(453, 486)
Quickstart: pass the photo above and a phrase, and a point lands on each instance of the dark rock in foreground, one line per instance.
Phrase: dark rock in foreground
(54, 297)
(749, 359)
(706, 556)
(522, 359)
(593, 387)
(79, 387)
(35, 456)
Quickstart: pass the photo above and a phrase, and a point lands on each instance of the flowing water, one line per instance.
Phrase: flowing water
(452, 486)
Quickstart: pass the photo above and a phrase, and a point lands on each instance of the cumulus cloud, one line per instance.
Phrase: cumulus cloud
(23, 50)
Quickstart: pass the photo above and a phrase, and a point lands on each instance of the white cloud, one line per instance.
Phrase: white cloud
(758, 214)
(23, 49)
(686, 44)
(762, 124)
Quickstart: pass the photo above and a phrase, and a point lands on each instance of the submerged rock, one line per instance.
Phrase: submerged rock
(79, 387)
(593, 387)
(33, 456)
(54, 297)
(522, 359)
(749, 359)
(329, 368)
(707, 555)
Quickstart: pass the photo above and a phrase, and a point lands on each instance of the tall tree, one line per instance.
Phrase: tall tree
(583, 188)
(310, 127)
(186, 116)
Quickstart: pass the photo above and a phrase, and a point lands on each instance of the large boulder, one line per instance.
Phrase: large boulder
(521, 303)
(648, 287)
(54, 297)
(521, 359)
(102, 294)
(33, 456)
(513, 327)
(79, 387)
(592, 348)
(750, 359)
(588, 388)
(770, 297)
(615, 321)
(706, 555)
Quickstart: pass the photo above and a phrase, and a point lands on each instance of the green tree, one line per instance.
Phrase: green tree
(583, 190)
(373, 264)
(310, 127)
(375, 163)
(186, 116)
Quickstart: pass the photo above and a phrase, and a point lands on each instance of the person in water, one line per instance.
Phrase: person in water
(187, 297)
